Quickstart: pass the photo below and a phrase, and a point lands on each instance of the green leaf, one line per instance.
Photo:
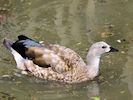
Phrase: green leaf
(95, 98)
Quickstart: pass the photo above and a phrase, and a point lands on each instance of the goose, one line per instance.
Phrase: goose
(55, 62)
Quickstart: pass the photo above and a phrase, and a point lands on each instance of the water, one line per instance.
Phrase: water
(75, 24)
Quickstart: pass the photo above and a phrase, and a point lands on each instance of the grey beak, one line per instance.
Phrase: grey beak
(113, 49)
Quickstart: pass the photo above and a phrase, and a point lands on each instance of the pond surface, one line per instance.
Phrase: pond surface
(75, 24)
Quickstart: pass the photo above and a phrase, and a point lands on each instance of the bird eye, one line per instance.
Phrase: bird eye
(104, 47)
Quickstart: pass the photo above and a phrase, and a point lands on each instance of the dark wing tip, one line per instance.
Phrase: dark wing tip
(22, 37)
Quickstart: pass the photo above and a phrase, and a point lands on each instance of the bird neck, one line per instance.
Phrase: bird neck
(92, 65)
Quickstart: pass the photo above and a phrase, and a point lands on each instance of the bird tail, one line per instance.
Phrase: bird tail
(7, 43)
(18, 58)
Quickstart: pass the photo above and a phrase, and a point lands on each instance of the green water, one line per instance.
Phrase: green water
(75, 24)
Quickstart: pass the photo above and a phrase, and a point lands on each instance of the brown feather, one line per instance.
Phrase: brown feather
(69, 56)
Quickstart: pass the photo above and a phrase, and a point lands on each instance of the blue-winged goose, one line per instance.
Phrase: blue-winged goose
(55, 62)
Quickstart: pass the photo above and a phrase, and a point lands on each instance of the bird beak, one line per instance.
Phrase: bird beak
(113, 49)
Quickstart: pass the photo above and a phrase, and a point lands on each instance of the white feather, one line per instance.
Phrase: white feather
(19, 59)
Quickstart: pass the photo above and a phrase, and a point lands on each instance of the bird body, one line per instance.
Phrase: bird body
(55, 62)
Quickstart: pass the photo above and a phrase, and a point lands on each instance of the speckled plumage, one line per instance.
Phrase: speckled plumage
(74, 72)
(55, 62)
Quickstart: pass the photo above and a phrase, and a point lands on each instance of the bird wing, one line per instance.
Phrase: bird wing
(45, 57)
(70, 57)
(60, 58)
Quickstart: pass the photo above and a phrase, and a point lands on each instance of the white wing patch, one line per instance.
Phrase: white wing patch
(19, 59)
